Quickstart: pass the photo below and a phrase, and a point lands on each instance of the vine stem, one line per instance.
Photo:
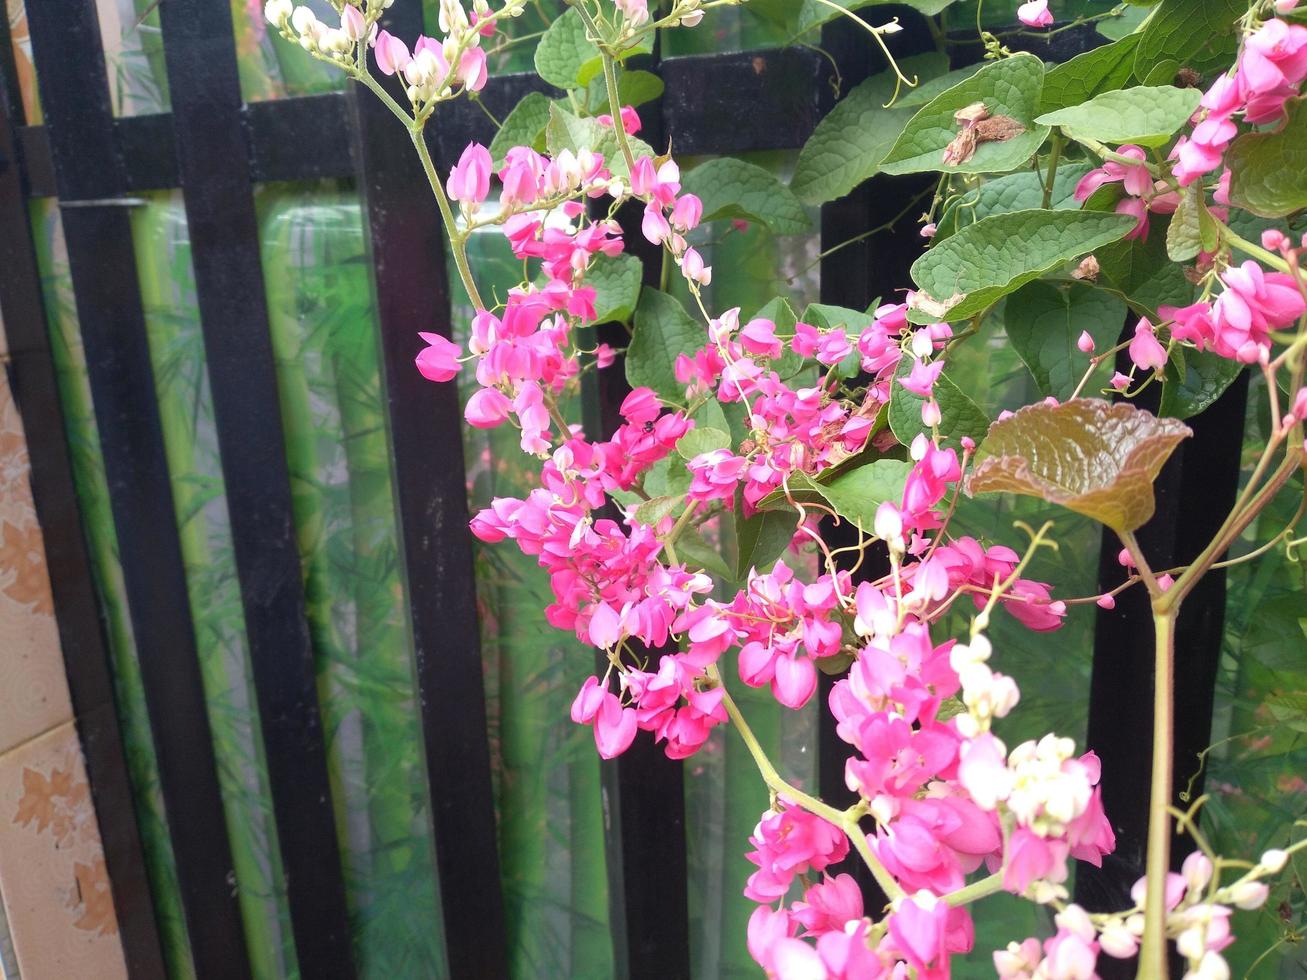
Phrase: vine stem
(457, 241)
(845, 820)
(899, 78)
(1054, 155)
(1152, 952)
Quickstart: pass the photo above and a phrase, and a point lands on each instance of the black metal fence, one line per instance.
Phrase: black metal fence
(215, 148)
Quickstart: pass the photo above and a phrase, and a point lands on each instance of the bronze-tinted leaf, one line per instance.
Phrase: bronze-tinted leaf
(1091, 456)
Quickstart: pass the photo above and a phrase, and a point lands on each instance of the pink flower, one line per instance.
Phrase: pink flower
(1254, 303)
(759, 337)
(469, 180)
(352, 23)
(1134, 177)
(654, 225)
(928, 230)
(1145, 351)
(917, 929)
(615, 728)
(1085, 342)
(692, 267)
(1035, 14)
(828, 905)
(472, 69)
(439, 361)
(921, 379)
(392, 53)
(687, 212)
(487, 408)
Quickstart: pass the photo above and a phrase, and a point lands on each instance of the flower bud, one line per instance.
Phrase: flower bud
(277, 12)
(1248, 894)
(1274, 860)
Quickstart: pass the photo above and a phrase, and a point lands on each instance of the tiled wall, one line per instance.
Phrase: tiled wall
(57, 904)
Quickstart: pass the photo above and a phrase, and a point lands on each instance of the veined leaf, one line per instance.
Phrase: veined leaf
(521, 127)
(702, 439)
(1021, 191)
(999, 254)
(731, 188)
(761, 539)
(616, 282)
(1195, 379)
(959, 415)
(1199, 34)
(1146, 115)
(847, 146)
(1009, 87)
(1043, 322)
(1086, 75)
(1091, 456)
(565, 56)
(662, 331)
(854, 494)
(1266, 169)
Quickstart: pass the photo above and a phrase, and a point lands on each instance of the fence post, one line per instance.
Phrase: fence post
(200, 55)
(81, 635)
(90, 181)
(407, 249)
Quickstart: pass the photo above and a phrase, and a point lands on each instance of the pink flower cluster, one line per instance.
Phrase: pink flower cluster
(1272, 65)
(1239, 322)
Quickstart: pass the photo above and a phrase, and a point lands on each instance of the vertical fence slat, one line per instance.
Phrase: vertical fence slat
(408, 256)
(1195, 491)
(81, 635)
(643, 790)
(75, 97)
(200, 54)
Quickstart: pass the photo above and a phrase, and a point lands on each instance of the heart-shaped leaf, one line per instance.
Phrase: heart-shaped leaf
(1091, 456)
(1145, 114)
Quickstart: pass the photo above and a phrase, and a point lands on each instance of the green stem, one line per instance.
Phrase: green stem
(991, 885)
(839, 818)
(457, 242)
(1053, 157)
(1152, 953)
(1256, 251)
(615, 109)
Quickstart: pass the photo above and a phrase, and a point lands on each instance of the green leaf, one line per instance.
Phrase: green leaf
(1015, 192)
(824, 316)
(959, 415)
(662, 331)
(847, 146)
(854, 493)
(1002, 253)
(634, 88)
(1145, 115)
(857, 493)
(702, 439)
(1009, 87)
(1195, 379)
(565, 56)
(1141, 271)
(731, 188)
(1199, 34)
(667, 478)
(1123, 24)
(616, 282)
(761, 539)
(928, 88)
(1184, 235)
(1266, 169)
(692, 549)
(1043, 322)
(1091, 456)
(1101, 70)
(522, 126)
(813, 14)
(564, 52)
(566, 131)
(652, 511)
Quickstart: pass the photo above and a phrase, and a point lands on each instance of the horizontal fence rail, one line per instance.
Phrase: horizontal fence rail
(217, 150)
